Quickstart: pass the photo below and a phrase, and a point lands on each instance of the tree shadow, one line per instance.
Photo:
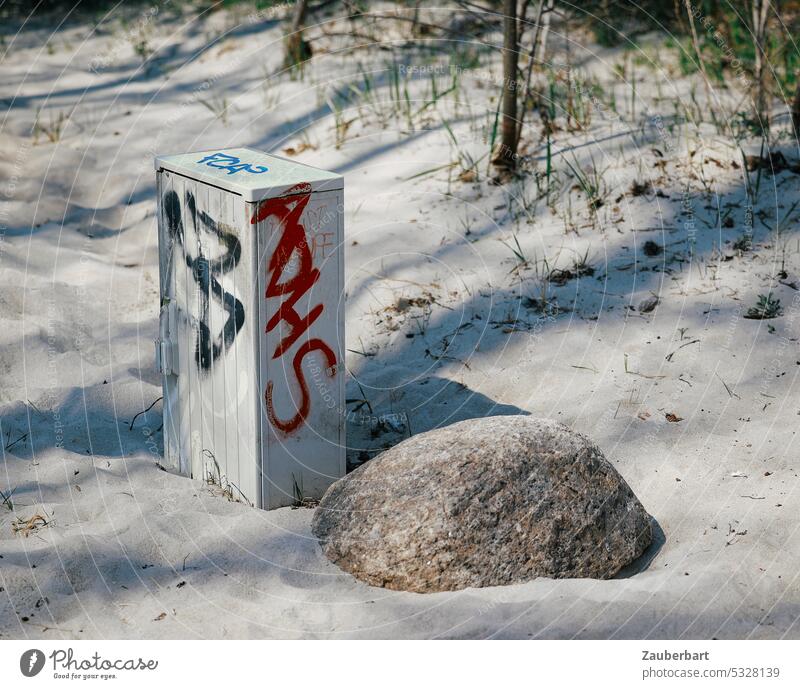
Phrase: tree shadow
(425, 404)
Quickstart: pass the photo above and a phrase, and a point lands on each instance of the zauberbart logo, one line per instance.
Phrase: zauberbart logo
(31, 662)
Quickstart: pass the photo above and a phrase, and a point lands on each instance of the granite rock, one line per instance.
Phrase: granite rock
(484, 502)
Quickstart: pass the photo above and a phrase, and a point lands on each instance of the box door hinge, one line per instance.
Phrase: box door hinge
(166, 344)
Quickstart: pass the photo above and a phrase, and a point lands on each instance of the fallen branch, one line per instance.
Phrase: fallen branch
(728, 390)
(130, 427)
(685, 344)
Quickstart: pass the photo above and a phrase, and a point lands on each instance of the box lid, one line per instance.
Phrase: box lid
(250, 173)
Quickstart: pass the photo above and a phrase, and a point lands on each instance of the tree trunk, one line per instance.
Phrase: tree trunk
(297, 50)
(760, 14)
(541, 48)
(531, 60)
(507, 155)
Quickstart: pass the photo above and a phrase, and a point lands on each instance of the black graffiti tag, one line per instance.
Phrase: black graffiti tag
(205, 273)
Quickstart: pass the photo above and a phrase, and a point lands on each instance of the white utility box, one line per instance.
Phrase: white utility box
(251, 333)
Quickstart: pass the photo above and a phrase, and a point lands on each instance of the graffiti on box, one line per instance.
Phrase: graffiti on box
(287, 211)
(207, 273)
(223, 161)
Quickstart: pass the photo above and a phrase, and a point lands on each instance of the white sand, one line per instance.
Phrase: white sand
(131, 551)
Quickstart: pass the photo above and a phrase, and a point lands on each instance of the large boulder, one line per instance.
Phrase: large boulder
(483, 502)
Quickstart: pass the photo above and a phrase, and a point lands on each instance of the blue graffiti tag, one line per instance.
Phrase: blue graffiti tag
(232, 164)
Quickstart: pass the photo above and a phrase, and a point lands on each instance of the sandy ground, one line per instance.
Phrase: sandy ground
(449, 316)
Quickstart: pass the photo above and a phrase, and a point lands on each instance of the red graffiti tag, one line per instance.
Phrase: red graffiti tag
(305, 401)
(288, 210)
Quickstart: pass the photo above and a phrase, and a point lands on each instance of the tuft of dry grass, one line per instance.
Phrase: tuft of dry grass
(215, 479)
(53, 128)
(31, 525)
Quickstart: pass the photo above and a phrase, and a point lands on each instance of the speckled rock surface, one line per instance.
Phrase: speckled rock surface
(483, 502)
